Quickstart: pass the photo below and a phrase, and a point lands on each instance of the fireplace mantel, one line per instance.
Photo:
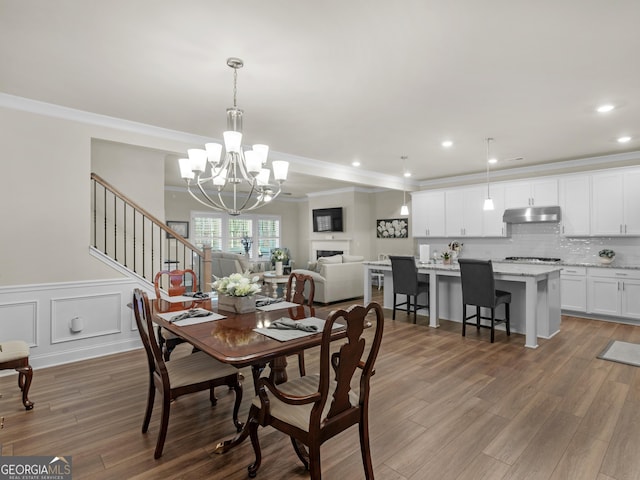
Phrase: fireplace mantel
(343, 244)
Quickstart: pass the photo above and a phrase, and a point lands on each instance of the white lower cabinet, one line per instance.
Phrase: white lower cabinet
(573, 289)
(614, 291)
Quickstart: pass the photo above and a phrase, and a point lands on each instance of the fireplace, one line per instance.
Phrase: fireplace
(327, 253)
(328, 247)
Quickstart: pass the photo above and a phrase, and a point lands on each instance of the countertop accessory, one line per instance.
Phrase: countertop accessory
(606, 256)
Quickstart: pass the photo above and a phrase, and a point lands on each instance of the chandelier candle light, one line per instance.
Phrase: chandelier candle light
(239, 174)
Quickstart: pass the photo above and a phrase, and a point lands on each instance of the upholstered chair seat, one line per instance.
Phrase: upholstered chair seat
(14, 354)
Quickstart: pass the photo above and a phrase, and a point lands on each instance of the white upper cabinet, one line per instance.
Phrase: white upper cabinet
(531, 193)
(463, 208)
(615, 206)
(575, 201)
(427, 214)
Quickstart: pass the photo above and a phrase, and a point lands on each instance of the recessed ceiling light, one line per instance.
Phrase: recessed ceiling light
(407, 174)
(493, 160)
(355, 163)
(447, 143)
(605, 108)
(624, 139)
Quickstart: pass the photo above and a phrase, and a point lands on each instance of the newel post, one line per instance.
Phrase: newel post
(206, 277)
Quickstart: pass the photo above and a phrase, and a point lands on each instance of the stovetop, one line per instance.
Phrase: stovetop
(534, 259)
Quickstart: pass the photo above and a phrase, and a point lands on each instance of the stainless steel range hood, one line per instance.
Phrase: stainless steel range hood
(532, 214)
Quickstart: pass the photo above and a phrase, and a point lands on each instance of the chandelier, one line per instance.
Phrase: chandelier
(239, 178)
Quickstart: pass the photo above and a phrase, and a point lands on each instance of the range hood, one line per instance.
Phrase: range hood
(532, 214)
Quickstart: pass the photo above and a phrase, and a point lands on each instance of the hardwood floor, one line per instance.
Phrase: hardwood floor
(442, 407)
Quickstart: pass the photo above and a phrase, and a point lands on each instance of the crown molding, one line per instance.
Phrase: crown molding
(579, 164)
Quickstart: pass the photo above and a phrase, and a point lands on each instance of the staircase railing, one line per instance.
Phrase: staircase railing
(137, 240)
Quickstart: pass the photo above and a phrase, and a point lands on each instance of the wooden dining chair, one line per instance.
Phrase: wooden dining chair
(180, 376)
(14, 355)
(296, 286)
(174, 283)
(314, 408)
(478, 290)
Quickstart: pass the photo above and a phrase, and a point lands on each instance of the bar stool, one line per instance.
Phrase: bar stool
(405, 282)
(478, 289)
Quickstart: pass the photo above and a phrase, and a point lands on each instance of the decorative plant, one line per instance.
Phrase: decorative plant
(237, 285)
(246, 241)
(446, 255)
(455, 246)
(606, 253)
(279, 255)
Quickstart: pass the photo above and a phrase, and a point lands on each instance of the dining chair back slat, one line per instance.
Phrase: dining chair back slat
(296, 286)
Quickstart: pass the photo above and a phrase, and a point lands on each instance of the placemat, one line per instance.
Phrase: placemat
(277, 306)
(285, 335)
(189, 321)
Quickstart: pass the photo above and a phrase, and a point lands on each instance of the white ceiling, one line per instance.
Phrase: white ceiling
(334, 81)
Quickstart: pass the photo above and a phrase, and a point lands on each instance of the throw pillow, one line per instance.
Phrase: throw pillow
(332, 259)
(352, 258)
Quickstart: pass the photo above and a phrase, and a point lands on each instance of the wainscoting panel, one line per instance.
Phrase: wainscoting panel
(70, 321)
(73, 318)
(19, 321)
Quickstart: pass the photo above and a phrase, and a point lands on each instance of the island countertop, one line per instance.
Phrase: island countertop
(507, 268)
(535, 290)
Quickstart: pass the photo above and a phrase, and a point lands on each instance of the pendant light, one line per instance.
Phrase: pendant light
(404, 210)
(488, 202)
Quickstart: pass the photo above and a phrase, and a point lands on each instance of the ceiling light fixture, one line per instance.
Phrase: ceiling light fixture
(605, 108)
(355, 163)
(239, 174)
(624, 139)
(447, 143)
(404, 210)
(488, 202)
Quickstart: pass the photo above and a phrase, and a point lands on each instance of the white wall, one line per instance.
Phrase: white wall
(48, 274)
(387, 205)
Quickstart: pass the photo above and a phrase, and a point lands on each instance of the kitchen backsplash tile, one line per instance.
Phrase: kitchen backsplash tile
(541, 240)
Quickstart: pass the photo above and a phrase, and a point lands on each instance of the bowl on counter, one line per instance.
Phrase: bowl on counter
(606, 260)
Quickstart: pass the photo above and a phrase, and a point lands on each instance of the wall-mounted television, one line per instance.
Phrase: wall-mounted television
(327, 220)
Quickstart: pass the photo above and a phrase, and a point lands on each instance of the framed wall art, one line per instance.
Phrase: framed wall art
(392, 228)
(182, 228)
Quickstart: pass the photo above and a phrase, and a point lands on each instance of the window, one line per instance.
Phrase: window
(268, 234)
(225, 233)
(207, 230)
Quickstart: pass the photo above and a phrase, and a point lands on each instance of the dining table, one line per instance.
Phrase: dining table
(232, 338)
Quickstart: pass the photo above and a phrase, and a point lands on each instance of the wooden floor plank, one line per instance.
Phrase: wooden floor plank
(442, 407)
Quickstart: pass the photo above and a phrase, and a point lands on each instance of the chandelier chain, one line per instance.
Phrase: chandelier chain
(235, 87)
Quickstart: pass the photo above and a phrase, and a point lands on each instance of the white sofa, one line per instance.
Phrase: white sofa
(336, 278)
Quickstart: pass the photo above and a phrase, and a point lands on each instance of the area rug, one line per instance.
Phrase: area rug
(622, 352)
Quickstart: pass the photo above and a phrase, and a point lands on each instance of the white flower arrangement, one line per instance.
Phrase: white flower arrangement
(237, 285)
(279, 255)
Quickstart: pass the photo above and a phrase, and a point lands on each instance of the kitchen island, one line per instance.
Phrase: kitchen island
(535, 293)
